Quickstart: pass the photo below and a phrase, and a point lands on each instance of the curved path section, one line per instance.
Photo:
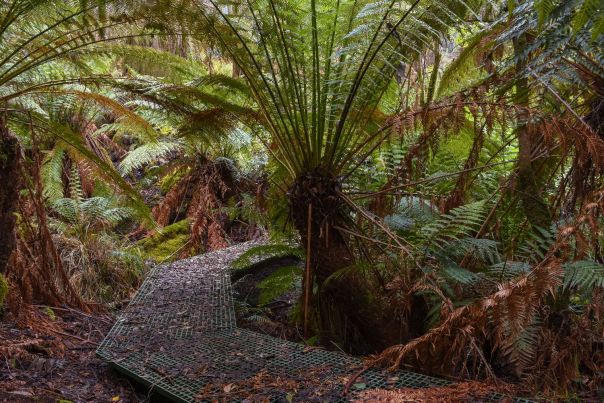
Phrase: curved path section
(178, 335)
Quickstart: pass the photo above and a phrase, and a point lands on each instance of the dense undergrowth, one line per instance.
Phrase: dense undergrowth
(434, 167)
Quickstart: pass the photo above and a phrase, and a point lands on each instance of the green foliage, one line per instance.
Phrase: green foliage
(460, 275)
(246, 209)
(315, 83)
(536, 244)
(52, 174)
(50, 313)
(584, 276)
(91, 211)
(278, 283)
(168, 243)
(146, 154)
(3, 289)
(261, 253)
(458, 223)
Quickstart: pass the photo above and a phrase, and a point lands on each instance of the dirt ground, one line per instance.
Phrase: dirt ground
(56, 362)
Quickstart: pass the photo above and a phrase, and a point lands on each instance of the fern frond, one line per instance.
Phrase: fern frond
(533, 249)
(102, 168)
(461, 275)
(584, 275)
(51, 173)
(278, 283)
(67, 208)
(459, 223)
(507, 270)
(146, 154)
(261, 253)
(484, 249)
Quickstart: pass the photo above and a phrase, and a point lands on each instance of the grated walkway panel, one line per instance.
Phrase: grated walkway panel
(178, 335)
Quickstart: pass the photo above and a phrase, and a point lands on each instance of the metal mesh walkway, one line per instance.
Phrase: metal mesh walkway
(179, 336)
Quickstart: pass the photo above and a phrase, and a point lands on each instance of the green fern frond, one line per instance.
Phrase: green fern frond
(68, 209)
(75, 186)
(278, 283)
(179, 67)
(588, 10)
(51, 173)
(544, 9)
(261, 253)
(461, 275)
(507, 270)
(459, 223)
(533, 249)
(464, 67)
(399, 222)
(584, 275)
(103, 209)
(146, 154)
(484, 249)
(102, 168)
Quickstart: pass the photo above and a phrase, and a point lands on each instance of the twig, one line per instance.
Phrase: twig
(353, 379)
(307, 276)
(72, 335)
(67, 309)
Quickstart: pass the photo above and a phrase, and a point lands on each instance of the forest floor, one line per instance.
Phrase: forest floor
(54, 361)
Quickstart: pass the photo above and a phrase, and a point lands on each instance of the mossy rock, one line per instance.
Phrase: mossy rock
(165, 244)
(3, 289)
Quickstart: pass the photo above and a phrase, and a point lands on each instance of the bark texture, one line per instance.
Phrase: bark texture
(10, 155)
(529, 188)
(345, 311)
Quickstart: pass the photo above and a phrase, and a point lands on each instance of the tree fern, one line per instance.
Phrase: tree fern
(504, 271)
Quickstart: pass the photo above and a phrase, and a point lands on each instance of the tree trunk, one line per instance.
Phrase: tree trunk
(529, 190)
(10, 155)
(344, 311)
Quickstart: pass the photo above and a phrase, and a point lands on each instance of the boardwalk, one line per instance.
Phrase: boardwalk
(179, 336)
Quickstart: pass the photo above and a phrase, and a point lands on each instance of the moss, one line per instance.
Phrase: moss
(3, 289)
(170, 180)
(50, 313)
(164, 245)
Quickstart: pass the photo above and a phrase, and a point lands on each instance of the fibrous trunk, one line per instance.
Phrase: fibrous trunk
(344, 311)
(533, 203)
(10, 155)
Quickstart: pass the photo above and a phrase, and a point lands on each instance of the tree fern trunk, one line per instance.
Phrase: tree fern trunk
(531, 195)
(10, 154)
(344, 311)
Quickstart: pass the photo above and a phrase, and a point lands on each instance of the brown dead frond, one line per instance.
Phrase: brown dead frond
(458, 392)
(517, 326)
